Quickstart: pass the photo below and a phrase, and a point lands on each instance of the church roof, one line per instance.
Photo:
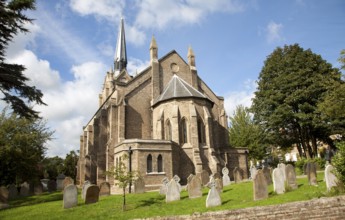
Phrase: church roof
(178, 88)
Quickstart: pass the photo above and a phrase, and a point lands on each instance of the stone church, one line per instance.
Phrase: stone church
(165, 117)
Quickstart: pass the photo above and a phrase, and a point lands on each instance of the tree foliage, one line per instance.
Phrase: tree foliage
(291, 84)
(244, 133)
(13, 83)
(338, 161)
(51, 167)
(70, 163)
(21, 147)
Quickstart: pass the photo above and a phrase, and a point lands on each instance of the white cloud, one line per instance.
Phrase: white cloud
(274, 32)
(136, 66)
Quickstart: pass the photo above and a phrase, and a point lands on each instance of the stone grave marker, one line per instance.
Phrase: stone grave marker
(331, 179)
(67, 181)
(291, 176)
(92, 194)
(305, 169)
(282, 167)
(163, 188)
(51, 185)
(213, 197)
(189, 178)
(173, 191)
(177, 180)
(104, 189)
(253, 172)
(238, 175)
(226, 178)
(59, 181)
(70, 196)
(311, 173)
(204, 177)
(139, 185)
(3, 195)
(38, 188)
(267, 173)
(12, 191)
(260, 186)
(24, 189)
(83, 190)
(45, 184)
(278, 181)
(194, 187)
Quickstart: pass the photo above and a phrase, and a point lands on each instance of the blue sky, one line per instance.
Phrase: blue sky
(72, 44)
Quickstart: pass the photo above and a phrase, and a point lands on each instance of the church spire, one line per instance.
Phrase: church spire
(120, 60)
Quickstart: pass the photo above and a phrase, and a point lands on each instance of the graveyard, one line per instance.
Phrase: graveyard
(153, 204)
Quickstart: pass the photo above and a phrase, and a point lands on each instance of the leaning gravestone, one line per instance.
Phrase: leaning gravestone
(278, 181)
(213, 197)
(282, 167)
(173, 191)
(238, 177)
(194, 187)
(163, 189)
(70, 196)
(12, 192)
(24, 189)
(51, 185)
(59, 181)
(177, 180)
(267, 173)
(311, 173)
(67, 181)
(104, 189)
(139, 185)
(253, 172)
(260, 186)
(291, 176)
(83, 190)
(92, 194)
(204, 177)
(226, 178)
(331, 179)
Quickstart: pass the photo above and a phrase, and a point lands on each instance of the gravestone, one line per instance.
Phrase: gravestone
(83, 190)
(104, 189)
(51, 185)
(213, 197)
(177, 180)
(194, 187)
(226, 178)
(278, 181)
(238, 177)
(291, 176)
(173, 191)
(189, 178)
(139, 185)
(3, 195)
(67, 181)
(24, 189)
(38, 188)
(311, 173)
(282, 167)
(45, 184)
(92, 194)
(260, 186)
(331, 179)
(204, 176)
(70, 196)
(12, 191)
(267, 173)
(59, 181)
(163, 189)
(253, 172)
(305, 169)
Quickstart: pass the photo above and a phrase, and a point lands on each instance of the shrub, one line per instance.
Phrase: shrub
(338, 161)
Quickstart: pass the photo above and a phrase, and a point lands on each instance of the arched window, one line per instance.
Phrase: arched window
(149, 163)
(201, 132)
(159, 163)
(168, 130)
(183, 131)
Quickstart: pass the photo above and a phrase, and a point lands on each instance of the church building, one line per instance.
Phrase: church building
(165, 117)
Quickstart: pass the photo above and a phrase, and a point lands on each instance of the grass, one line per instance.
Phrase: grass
(149, 204)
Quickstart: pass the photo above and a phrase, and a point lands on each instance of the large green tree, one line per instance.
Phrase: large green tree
(13, 83)
(70, 164)
(21, 147)
(291, 84)
(244, 133)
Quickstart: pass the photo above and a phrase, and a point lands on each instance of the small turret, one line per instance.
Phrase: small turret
(153, 49)
(191, 57)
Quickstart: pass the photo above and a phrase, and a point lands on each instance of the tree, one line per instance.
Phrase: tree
(21, 147)
(13, 83)
(123, 177)
(244, 133)
(291, 84)
(70, 164)
(52, 167)
(338, 161)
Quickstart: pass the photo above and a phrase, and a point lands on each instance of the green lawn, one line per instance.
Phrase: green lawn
(49, 206)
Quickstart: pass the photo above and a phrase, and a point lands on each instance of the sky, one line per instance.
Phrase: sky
(71, 45)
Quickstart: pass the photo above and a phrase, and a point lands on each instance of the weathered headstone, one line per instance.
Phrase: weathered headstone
(204, 175)
(51, 186)
(163, 189)
(331, 179)
(59, 181)
(305, 169)
(12, 191)
(173, 191)
(189, 178)
(226, 178)
(177, 180)
(45, 184)
(278, 181)
(70, 196)
(67, 181)
(92, 194)
(311, 173)
(139, 185)
(238, 175)
(194, 187)
(24, 189)
(253, 172)
(3, 195)
(38, 188)
(213, 197)
(104, 189)
(267, 173)
(83, 190)
(291, 176)
(282, 167)
(260, 186)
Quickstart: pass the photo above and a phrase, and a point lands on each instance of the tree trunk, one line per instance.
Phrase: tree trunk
(124, 199)
(314, 144)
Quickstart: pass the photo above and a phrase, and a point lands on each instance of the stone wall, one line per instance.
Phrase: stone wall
(323, 208)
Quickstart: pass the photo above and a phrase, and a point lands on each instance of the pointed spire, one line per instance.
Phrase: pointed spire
(191, 56)
(153, 49)
(120, 60)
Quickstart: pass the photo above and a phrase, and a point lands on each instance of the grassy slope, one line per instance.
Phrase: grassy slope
(49, 206)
